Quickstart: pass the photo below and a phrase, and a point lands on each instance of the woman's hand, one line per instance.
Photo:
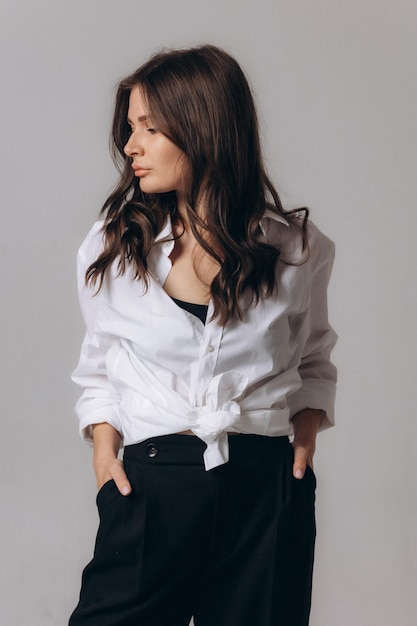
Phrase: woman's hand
(106, 464)
(306, 424)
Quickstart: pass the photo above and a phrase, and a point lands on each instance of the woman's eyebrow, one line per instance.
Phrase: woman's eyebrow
(141, 118)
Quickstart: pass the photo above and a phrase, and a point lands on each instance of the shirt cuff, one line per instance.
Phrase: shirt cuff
(108, 415)
(315, 394)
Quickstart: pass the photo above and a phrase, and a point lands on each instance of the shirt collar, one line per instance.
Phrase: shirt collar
(271, 215)
(166, 233)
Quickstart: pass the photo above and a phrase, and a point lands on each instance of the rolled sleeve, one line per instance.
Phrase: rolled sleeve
(99, 401)
(317, 372)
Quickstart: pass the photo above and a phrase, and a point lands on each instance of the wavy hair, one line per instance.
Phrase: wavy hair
(200, 99)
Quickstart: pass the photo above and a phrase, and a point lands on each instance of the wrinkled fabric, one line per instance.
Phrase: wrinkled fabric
(150, 368)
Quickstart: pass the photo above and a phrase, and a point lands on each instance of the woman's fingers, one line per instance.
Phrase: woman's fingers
(306, 424)
(302, 458)
(121, 480)
(106, 464)
(114, 471)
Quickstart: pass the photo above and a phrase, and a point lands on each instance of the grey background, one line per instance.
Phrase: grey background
(335, 81)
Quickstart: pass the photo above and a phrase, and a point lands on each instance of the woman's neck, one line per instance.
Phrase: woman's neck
(192, 269)
(200, 210)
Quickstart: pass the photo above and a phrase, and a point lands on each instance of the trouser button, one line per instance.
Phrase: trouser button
(151, 450)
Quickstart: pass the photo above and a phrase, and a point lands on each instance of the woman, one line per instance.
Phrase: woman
(207, 345)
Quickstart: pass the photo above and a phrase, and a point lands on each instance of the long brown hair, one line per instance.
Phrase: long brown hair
(200, 99)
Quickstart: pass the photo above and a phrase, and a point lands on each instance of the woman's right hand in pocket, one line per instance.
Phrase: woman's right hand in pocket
(113, 470)
(106, 464)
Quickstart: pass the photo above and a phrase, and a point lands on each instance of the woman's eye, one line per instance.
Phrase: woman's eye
(152, 131)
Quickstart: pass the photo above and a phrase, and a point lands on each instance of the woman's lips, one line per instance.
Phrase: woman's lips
(140, 171)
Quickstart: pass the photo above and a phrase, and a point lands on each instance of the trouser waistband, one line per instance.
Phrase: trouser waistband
(189, 449)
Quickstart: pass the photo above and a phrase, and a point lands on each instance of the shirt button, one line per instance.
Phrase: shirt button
(210, 348)
(151, 450)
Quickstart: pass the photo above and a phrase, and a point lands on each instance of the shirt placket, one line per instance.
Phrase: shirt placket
(208, 358)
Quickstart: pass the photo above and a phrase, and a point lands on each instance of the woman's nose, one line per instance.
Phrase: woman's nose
(133, 146)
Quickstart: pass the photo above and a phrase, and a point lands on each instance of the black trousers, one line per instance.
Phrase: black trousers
(232, 547)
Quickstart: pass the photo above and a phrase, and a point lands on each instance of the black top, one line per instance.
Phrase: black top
(199, 310)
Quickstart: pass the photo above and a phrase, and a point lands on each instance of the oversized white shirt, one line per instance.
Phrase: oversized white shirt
(150, 368)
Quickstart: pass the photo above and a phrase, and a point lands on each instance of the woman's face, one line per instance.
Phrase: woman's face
(158, 163)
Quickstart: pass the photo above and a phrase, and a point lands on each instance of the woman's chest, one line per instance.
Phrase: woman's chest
(159, 331)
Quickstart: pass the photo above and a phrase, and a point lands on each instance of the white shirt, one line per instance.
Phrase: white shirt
(150, 368)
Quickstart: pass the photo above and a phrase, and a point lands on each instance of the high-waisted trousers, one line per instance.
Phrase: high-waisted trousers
(232, 546)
